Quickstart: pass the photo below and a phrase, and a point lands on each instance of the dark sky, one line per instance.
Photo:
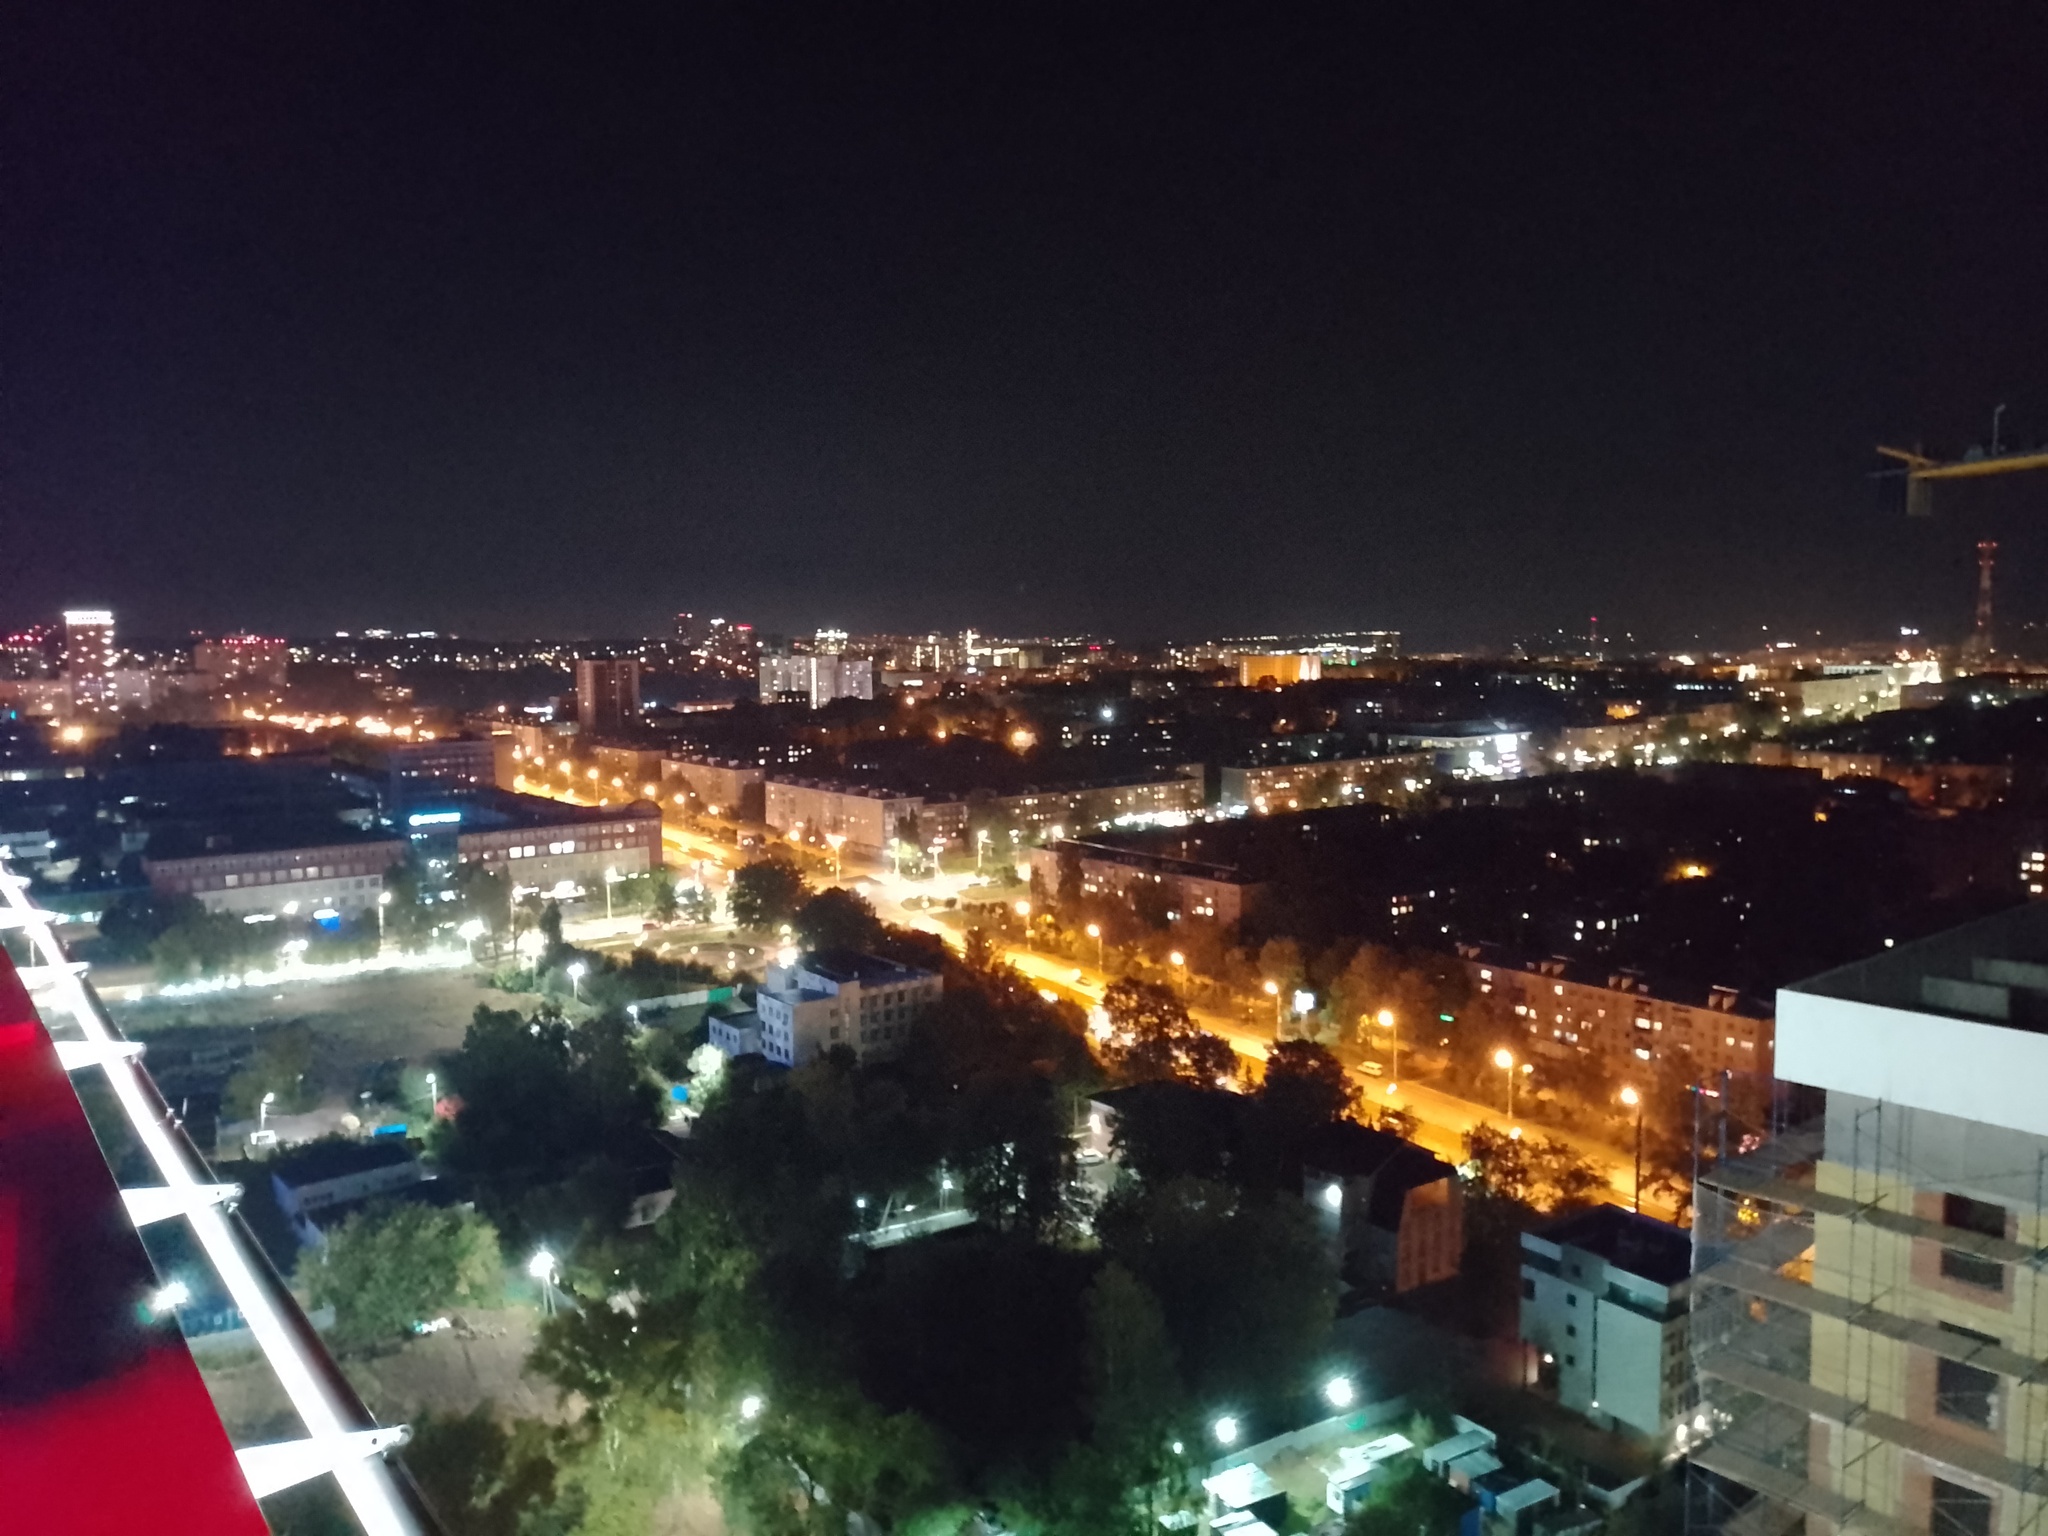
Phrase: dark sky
(1461, 319)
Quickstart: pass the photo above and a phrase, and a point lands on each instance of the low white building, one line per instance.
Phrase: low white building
(838, 998)
(1604, 1311)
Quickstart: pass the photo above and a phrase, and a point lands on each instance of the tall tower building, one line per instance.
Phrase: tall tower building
(1980, 637)
(607, 695)
(88, 655)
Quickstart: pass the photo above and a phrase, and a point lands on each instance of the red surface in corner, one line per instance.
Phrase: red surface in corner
(105, 1425)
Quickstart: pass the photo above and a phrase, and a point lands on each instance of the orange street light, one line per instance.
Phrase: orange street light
(1505, 1060)
(1634, 1101)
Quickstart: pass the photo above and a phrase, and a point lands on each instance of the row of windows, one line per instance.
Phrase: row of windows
(281, 877)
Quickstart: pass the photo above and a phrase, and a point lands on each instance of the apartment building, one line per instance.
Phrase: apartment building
(723, 786)
(1870, 1316)
(342, 875)
(1188, 888)
(1603, 1319)
(1565, 1007)
(833, 998)
(1270, 788)
(869, 819)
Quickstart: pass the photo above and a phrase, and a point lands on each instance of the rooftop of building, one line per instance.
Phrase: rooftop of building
(318, 1161)
(846, 965)
(1348, 1150)
(1158, 863)
(485, 809)
(1613, 978)
(1641, 1245)
(1993, 971)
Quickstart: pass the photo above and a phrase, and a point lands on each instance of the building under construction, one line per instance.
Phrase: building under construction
(1869, 1328)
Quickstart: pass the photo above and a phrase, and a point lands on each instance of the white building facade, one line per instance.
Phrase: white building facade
(824, 1000)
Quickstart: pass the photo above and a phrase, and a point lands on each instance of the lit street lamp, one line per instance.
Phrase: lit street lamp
(576, 971)
(835, 841)
(1024, 912)
(937, 849)
(1634, 1101)
(263, 1110)
(1505, 1060)
(383, 901)
(1385, 1019)
(542, 1267)
(611, 878)
(1273, 991)
(1095, 932)
(1225, 1430)
(751, 1406)
(1339, 1391)
(980, 847)
(433, 1092)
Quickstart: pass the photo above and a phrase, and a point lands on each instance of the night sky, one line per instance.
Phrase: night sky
(1469, 321)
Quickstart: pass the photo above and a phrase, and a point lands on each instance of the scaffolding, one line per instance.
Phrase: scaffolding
(1836, 1391)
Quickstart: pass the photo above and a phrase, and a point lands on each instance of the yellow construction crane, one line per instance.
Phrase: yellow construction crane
(1922, 472)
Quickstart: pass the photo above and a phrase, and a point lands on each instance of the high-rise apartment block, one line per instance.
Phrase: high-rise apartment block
(89, 655)
(607, 695)
(816, 680)
(1870, 1314)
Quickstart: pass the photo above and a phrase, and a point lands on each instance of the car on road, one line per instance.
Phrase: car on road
(1373, 1068)
(1087, 1157)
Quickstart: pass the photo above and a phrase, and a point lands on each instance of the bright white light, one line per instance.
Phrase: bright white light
(1339, 1391)
(176, 1294)
(542, 1265)
(1333, 1196)
(471, 930)
(291, 909)
(1304, 1002)
(578, 970)
(1225, 1430)
(1178, 1448)
(751, 1406)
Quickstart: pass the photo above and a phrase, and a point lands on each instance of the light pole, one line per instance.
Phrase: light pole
(980, 847)
(1505, 1060)
(835, 841)
(263, 1110)
(1279, 1008)
(1024, 912)
(383, 901)
(1634, 1101)
(1094, 931)
(937, 849)
(576, 971)
(611, 878)
(433, 1093)
(1386, 1020)
(542, 1267)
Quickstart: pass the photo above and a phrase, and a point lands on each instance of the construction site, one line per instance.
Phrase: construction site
(1868, 1331)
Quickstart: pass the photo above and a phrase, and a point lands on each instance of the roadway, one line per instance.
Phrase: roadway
(1441, 1119)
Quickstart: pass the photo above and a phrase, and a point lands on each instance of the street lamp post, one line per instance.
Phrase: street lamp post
(937, 849)
(980, 847)
(1386, 1020)
(1634, 1101)
(263, 1110)
(576, 971)
(835, 841)
(1024, 912)
(1279, 1008)
(611, 878)
(1505, 1060)
(1095, 933)
(433, 1093)
(383, 901)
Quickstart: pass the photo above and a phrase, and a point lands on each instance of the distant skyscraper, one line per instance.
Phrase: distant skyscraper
(689, 628)
(607, 695)
(88, 654)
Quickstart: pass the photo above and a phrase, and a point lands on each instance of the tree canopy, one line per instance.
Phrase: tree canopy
(766, 894)
(388, 1267)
